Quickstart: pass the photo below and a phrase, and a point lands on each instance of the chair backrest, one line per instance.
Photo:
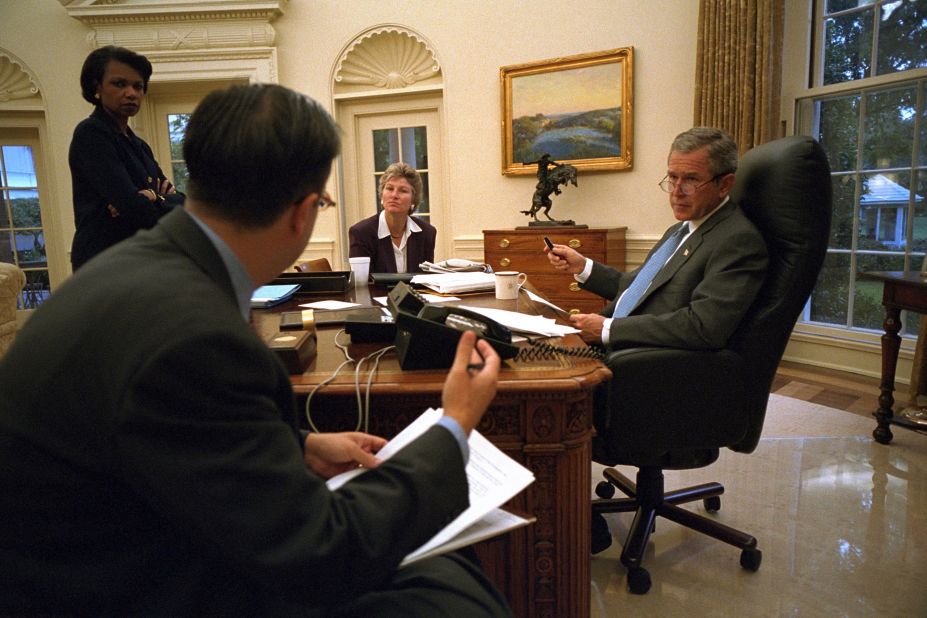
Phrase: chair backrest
(784, 187)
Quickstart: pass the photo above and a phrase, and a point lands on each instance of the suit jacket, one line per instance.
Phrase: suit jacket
(150, 461)
(698, 298)
(107, 171)
(419, 248)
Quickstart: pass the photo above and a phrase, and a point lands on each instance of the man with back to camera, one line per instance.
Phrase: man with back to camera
(703, 274)
(150, 460)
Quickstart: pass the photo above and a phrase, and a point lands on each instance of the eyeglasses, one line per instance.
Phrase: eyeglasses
(325, 201)
(687, 187)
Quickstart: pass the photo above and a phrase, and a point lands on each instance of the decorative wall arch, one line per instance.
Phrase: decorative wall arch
(388, 58)
(18, 86)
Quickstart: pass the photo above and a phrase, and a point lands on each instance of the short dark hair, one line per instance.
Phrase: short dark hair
(722, 150)
(91, 74)
(253, 150)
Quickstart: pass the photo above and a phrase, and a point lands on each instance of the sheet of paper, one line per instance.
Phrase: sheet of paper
(329, 304)
(493, 478)
(492, 524)
(560, 311)
(521, 322)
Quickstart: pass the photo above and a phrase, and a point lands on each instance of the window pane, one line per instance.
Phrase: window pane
(902, 36)
(920, 217)
(847, 46)
(6, 247)
(415, 146)
(30, 248)
(376, 191)
(839, 119)
(830, 298)
(17, 163)
(922, 140)
(385, 148)
(176, 129)
(37, 289)
(4, 212)
(889, 128)
(883, 211)
(25, 208)
(424, 207)
(180, 176)
(867, 301)
(841, 5)
(844, 202)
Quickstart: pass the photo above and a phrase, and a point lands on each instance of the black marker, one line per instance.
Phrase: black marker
(550, 245)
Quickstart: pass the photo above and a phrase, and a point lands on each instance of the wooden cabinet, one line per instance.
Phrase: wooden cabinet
(523, 250)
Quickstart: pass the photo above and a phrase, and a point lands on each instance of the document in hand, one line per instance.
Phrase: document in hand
(494, 478)
(456, 283)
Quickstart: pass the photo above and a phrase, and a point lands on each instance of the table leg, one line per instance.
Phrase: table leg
(891, 343)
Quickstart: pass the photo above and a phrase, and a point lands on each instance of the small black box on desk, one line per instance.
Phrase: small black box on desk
(295, 348)
(323, 282)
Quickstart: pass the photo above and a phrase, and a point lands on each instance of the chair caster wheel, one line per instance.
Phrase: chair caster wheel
(638, 580)
(604, 489)
(750, 559)
(712, 504)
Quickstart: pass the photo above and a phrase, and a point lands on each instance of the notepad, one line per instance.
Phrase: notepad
(270, 295)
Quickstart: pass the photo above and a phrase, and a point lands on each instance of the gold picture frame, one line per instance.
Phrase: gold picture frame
(567, 108)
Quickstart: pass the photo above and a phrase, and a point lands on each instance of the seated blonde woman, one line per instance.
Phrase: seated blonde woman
(394, 240)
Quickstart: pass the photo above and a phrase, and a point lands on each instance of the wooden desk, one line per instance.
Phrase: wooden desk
(901, 290)
(541, 417)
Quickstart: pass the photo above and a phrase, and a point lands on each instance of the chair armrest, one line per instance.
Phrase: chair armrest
(664, 398)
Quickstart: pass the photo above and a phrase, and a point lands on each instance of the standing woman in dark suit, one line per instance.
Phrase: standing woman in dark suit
(117, 185)
(395, 241)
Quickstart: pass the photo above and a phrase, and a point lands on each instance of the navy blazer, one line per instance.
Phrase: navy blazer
(364, 242)
(152, 465)
(107, 171)
(698, 298)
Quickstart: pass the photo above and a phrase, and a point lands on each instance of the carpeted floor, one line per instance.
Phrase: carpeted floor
(841, 521)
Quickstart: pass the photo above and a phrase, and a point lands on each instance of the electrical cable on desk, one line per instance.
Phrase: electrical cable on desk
(363, 408)
(541, 350)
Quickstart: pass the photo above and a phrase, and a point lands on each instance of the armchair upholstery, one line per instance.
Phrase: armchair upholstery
(12, 280)
(717, 399)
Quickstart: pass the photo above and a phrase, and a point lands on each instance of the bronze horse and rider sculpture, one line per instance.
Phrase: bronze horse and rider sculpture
(551, 175)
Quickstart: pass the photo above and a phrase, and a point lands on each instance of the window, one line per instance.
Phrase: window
(176, 129)
(869, 111)
(402, 145)
(22, 238)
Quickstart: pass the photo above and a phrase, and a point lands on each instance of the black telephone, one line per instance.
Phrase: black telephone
(427, 333)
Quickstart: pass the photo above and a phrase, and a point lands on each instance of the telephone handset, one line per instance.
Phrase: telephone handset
(427, 333)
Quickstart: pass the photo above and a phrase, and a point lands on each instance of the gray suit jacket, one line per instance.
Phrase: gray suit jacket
(697, 300)
(150, 460)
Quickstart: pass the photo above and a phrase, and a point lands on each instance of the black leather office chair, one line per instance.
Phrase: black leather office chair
(674, 409)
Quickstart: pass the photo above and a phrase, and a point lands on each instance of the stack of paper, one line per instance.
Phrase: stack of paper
(494, 479)
(524, 323)
(270, 295)
(457, 283)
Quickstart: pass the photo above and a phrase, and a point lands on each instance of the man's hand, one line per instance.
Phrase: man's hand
(566, 259)
(590, 324)
(328, 454)
(471, 383)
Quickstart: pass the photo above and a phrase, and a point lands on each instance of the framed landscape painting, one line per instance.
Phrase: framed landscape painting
(576, 109)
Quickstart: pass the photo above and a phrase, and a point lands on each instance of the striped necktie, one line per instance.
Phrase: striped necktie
(644, 278)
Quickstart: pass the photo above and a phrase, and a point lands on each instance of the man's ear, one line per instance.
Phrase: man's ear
(299, 214)
(727, 183)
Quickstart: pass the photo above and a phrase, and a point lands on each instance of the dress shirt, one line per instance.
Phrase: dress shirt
(398, 252)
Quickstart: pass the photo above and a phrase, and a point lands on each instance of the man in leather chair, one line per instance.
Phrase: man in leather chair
(691, 295)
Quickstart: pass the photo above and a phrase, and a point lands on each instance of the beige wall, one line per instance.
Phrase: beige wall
(472, 41)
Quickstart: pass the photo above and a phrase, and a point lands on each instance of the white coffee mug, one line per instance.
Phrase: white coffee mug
(360, 266)
(507, 284)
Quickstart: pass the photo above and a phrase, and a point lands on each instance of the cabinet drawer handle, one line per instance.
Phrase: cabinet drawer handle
(575, 243)
(504, 243)
(574, 311)
(574, 287)
(504, 262)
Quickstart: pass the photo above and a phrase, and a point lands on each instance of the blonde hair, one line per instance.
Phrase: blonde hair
(404, 170)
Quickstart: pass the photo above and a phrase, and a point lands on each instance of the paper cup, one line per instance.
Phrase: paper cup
(360, 266)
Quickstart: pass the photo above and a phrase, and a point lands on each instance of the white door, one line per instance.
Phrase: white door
(379, 133)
